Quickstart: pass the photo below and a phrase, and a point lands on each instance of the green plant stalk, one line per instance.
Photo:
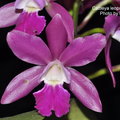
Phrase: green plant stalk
(92, 31)
(71, 12)
(104, 71)
(92, 12)
(76, 8)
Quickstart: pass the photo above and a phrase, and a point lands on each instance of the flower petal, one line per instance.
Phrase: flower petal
(116, 35)
(55, 73)
(83, 50)
(29, 48)
(52, 98)
(56, 36)
(8, 17)
(21, 4)
(54, 8)
(41, 3)
(22, 84)
(85, 91)
(111, 24)
(108, 61)
(31, 23)
(61, 102)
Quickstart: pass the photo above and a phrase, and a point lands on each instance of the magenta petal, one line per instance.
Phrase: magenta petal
(54, 8)
(8, 16)
(31, 23)
(85, 91)
(108, 61)
(29, 48)
(56, 36)
(22, 84)
(52, 98)
(111, 24)
(61, 102)
(44, 102)
(83, 50)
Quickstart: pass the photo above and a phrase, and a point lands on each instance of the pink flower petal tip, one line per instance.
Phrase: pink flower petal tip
(54, 98)
(31, 23)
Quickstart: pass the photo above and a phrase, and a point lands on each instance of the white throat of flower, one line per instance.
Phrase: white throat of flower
(29, 5)
(32, 6)
(116, 35)
(55, 75)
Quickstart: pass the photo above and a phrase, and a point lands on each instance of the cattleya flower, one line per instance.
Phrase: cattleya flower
(28, 20)
(53, 68)
(24, 20)
(112, 29)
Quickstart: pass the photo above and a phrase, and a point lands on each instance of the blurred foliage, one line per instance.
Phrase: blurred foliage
(32, 115)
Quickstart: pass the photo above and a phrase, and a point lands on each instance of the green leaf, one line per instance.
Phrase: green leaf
(78, 112)
(32, 115)
(92, 31)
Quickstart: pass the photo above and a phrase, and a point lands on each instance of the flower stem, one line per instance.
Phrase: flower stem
(71, 12)
(76, 8)
(103, 71)
(92, 31)
(92, 12)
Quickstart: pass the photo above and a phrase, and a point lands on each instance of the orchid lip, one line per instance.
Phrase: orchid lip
(54, 74)
(32, 7)
(28, 6)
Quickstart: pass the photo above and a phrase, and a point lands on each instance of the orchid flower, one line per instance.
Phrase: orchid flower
(53, 68)
(112, 29)
(24, 20)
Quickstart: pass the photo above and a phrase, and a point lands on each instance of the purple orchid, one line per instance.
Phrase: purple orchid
(24, 20)
(53, 68)
(112, 29)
